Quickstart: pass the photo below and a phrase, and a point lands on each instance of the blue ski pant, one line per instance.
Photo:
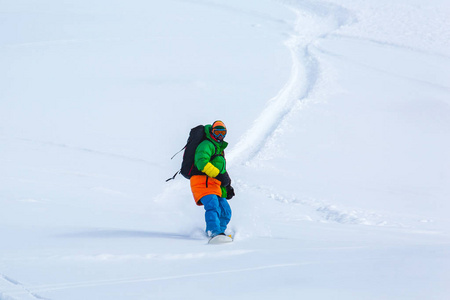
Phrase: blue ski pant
(217, 214)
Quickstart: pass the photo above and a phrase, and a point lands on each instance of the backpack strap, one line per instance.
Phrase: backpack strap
(173, 177)
(178, 152)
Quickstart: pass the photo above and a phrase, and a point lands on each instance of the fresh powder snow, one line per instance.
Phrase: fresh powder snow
(338, 117)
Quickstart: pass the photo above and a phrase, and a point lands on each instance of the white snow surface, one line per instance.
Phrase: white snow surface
(338, 117)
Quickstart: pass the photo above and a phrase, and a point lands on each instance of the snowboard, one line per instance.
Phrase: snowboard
(220, 239)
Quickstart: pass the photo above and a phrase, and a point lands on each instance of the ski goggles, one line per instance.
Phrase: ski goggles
(219, 133)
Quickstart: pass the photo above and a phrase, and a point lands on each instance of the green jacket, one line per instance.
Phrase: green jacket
(208, 149)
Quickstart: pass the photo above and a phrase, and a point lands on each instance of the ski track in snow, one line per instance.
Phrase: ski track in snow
(326, 19)
(325, 211)
(72, 285)
(14, 287)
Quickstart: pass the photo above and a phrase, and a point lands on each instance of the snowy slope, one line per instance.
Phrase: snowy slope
(339, 129)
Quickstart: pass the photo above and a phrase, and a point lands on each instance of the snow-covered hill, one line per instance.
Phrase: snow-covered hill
(338, 117)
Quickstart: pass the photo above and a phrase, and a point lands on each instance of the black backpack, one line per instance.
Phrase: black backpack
(188, 169)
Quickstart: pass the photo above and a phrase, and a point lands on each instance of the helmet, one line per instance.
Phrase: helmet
(218, 131)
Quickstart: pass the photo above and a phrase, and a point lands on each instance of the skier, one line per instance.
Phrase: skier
(211, 184)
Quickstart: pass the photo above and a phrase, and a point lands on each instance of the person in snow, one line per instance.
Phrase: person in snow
(212, 188)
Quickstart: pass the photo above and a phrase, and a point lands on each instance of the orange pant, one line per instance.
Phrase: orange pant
(202, 185)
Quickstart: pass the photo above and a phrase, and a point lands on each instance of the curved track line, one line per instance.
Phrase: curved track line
(314, 20)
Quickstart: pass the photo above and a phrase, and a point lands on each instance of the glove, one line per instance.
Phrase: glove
(224, 179)
(210, 170)
(230, 192)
